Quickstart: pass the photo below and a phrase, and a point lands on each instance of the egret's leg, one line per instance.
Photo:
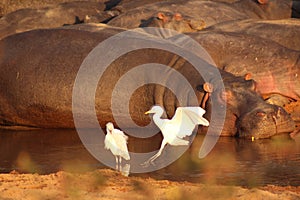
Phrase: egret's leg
(120, 163)
(117, 162)
(157, 154)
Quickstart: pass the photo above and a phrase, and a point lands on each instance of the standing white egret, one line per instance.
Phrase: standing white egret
(116, 142)
(182, 124)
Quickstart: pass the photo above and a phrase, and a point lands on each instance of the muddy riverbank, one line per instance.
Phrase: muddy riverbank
(107, 184)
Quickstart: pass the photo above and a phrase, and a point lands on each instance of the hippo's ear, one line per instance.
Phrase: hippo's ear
(177, 16)
(161, 15)
(263, 1)
(208, 87)
(248, 76)
(197, 24)
(251, 83)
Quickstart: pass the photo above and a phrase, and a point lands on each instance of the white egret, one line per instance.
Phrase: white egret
(116, 142)
(182, 124)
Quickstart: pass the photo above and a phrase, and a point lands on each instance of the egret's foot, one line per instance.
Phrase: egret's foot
(125, 170)
(148, 163)
(145, 164)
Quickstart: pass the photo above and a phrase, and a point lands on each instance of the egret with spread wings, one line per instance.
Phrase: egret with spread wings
(181, 125)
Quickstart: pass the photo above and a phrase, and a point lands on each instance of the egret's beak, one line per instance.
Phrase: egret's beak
(148, 112)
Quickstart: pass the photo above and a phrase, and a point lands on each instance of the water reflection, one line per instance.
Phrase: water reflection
(232, 161)
(241, 162)
(50, 150)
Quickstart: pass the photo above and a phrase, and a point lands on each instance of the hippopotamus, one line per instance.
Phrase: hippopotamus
(211, 12)
(11, 6)
(262, 58)
(285, 31)
(38, 69)
(224, 42)
(124, 5)
(274, 67)
(208, 11)
(50, 17)
(264, 9)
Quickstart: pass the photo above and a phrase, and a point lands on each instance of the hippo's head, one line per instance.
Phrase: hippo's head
(247, 114)
(265, 121)
(174, 21)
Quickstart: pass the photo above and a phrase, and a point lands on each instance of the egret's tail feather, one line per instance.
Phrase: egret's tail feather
(125, 155)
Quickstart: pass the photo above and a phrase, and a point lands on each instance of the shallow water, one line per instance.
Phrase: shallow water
(232, 161)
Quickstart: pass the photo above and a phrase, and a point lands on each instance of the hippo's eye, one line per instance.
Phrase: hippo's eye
(260, 113)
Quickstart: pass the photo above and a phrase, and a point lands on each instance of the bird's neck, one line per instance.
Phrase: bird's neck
(157, 119)
(108, 131)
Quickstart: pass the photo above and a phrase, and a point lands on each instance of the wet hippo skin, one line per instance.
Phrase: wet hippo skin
(50, 17)
(38, 70)
(285, 31)
(211, 12)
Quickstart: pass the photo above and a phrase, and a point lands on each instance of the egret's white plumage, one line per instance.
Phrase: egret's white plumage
(181, 125)
(116, 142)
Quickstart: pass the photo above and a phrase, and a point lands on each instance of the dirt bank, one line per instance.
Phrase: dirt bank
(108, 184)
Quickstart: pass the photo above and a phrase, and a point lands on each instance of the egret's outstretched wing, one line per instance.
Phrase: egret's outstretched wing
(188, 118)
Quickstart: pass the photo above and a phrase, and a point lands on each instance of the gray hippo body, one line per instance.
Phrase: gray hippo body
(8, 6)
(38, 69)
(50, 17)
(266, 49)
(208, 11)
(211, 12)
(274, 67)
(285, 31)
(264, 9)
(124, 5)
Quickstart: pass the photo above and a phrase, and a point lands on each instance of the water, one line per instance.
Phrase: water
(232, 161)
